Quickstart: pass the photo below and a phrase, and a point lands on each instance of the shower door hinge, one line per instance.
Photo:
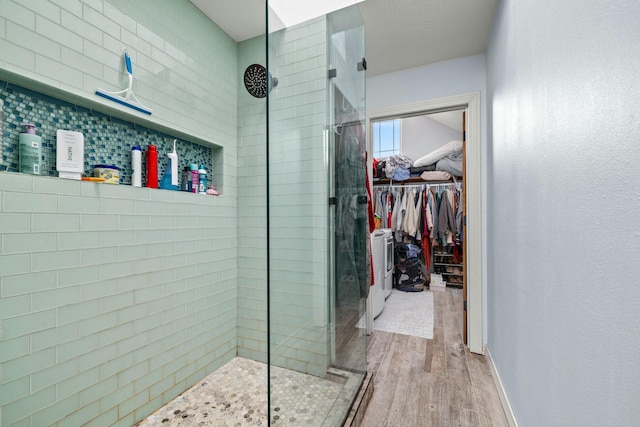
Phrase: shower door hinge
(362, 65)
(332, 201)
(333, 73)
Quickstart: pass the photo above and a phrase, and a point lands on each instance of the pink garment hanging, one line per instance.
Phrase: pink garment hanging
(370, 221)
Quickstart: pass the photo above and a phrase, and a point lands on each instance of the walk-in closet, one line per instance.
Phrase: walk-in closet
(418, 198)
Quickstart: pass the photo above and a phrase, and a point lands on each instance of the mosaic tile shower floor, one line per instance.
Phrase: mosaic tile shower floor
(236, 395)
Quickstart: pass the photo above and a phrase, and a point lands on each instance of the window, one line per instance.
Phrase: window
(386, 138)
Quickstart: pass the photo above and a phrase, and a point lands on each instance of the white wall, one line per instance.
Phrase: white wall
(562, 79)
(422, 134)
(454, 77)
(438, 80)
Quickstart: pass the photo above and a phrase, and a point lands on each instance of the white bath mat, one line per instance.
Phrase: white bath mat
(407, 313)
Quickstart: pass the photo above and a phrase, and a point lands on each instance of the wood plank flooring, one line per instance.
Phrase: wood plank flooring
(438, 382)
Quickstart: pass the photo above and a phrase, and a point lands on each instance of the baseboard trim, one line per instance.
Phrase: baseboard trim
(506, 406)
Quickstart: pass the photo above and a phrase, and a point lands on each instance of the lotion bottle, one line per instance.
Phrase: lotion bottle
(30, 150)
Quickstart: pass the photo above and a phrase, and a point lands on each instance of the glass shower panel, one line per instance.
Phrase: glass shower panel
(348, 187)
(297, 203)
(315, 364)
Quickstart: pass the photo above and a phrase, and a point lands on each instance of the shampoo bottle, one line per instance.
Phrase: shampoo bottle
(193, 168)
(136, 166)
(30, 150)
(185, 184)
(152, 166)
(202, 180)
(170, 178)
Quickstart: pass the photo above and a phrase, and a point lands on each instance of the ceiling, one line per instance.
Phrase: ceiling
(400, 34)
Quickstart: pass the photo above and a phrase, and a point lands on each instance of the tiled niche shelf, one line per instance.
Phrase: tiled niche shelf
(108, 139)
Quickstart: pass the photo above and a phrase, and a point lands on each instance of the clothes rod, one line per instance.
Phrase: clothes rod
(398, 184)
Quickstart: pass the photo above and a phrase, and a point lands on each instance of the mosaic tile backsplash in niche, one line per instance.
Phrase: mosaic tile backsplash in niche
(107, 140)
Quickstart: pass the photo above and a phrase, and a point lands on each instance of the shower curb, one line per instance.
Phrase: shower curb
(359, 407)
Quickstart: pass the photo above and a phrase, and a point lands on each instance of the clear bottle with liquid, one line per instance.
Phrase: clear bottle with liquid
(185, 184)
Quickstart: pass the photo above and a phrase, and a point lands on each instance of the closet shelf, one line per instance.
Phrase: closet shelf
(447, 264)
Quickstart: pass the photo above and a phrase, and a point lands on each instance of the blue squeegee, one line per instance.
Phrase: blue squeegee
(125, 96)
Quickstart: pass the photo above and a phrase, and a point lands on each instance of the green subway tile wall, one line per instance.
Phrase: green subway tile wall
(252, 236)
(108, 306)
(298, 198)
(183, 64)
(113, 299)
(298, 202)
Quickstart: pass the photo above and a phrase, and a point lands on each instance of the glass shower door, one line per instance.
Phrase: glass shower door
(348, 187)
(315, 365)
(349, 231)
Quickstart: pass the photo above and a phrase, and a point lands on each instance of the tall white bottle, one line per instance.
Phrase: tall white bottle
(136, 166)
(173, 160)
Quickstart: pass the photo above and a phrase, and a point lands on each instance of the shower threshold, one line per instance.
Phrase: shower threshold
(236, 395)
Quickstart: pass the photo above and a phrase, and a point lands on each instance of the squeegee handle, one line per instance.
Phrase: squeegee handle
(127, 62)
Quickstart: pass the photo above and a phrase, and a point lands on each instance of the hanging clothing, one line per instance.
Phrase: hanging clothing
(372, 227)
(427, 217)
(436, 213)
(389, 211)
(409, 222)
(402, 210)
(419, 215)
(397, 207)
(446, 220)
(426, 240)
(459, 217)
(378, 206)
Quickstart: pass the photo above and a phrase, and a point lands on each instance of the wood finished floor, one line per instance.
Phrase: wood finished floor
(421, 382)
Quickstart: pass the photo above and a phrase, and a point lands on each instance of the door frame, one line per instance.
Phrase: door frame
(470, 102)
